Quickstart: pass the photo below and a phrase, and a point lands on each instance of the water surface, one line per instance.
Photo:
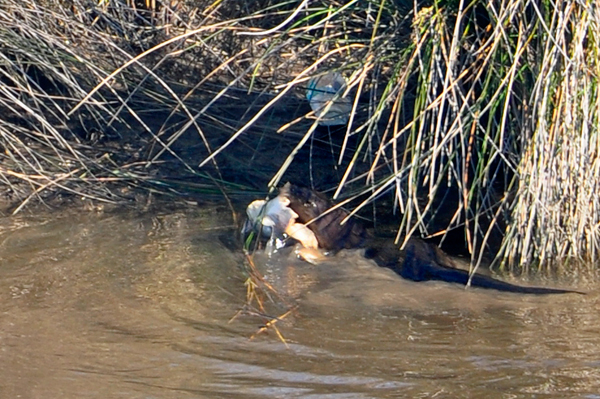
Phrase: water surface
(140, 305)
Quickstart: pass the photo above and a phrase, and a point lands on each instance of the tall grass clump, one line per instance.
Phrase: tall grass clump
(555, 211)
(52, 53)
(506, 115)
(507, 109)
(56, 138)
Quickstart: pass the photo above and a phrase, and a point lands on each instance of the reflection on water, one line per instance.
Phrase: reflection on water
(138, 305)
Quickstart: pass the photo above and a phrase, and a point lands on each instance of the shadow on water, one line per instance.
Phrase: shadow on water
(138, 305)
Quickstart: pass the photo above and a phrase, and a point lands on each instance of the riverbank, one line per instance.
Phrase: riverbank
(208, 99)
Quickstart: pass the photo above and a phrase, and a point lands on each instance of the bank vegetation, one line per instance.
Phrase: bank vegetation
(480, 118)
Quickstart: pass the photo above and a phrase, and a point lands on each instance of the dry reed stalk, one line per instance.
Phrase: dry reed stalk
(556, 210)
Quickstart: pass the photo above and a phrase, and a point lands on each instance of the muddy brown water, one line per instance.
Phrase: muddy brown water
(139, 305)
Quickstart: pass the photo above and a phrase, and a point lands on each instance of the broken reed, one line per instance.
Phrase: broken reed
(479, 116)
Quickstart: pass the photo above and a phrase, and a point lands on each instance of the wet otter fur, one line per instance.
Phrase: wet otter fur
(419, 261)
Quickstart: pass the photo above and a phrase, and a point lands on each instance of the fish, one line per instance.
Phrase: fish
(269, 218)
(275, 221)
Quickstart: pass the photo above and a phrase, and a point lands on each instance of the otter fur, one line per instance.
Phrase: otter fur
(418, 261)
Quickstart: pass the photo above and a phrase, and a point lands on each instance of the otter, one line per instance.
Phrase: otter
(418, 261)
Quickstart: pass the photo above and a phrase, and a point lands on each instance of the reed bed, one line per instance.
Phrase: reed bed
(476, 117)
